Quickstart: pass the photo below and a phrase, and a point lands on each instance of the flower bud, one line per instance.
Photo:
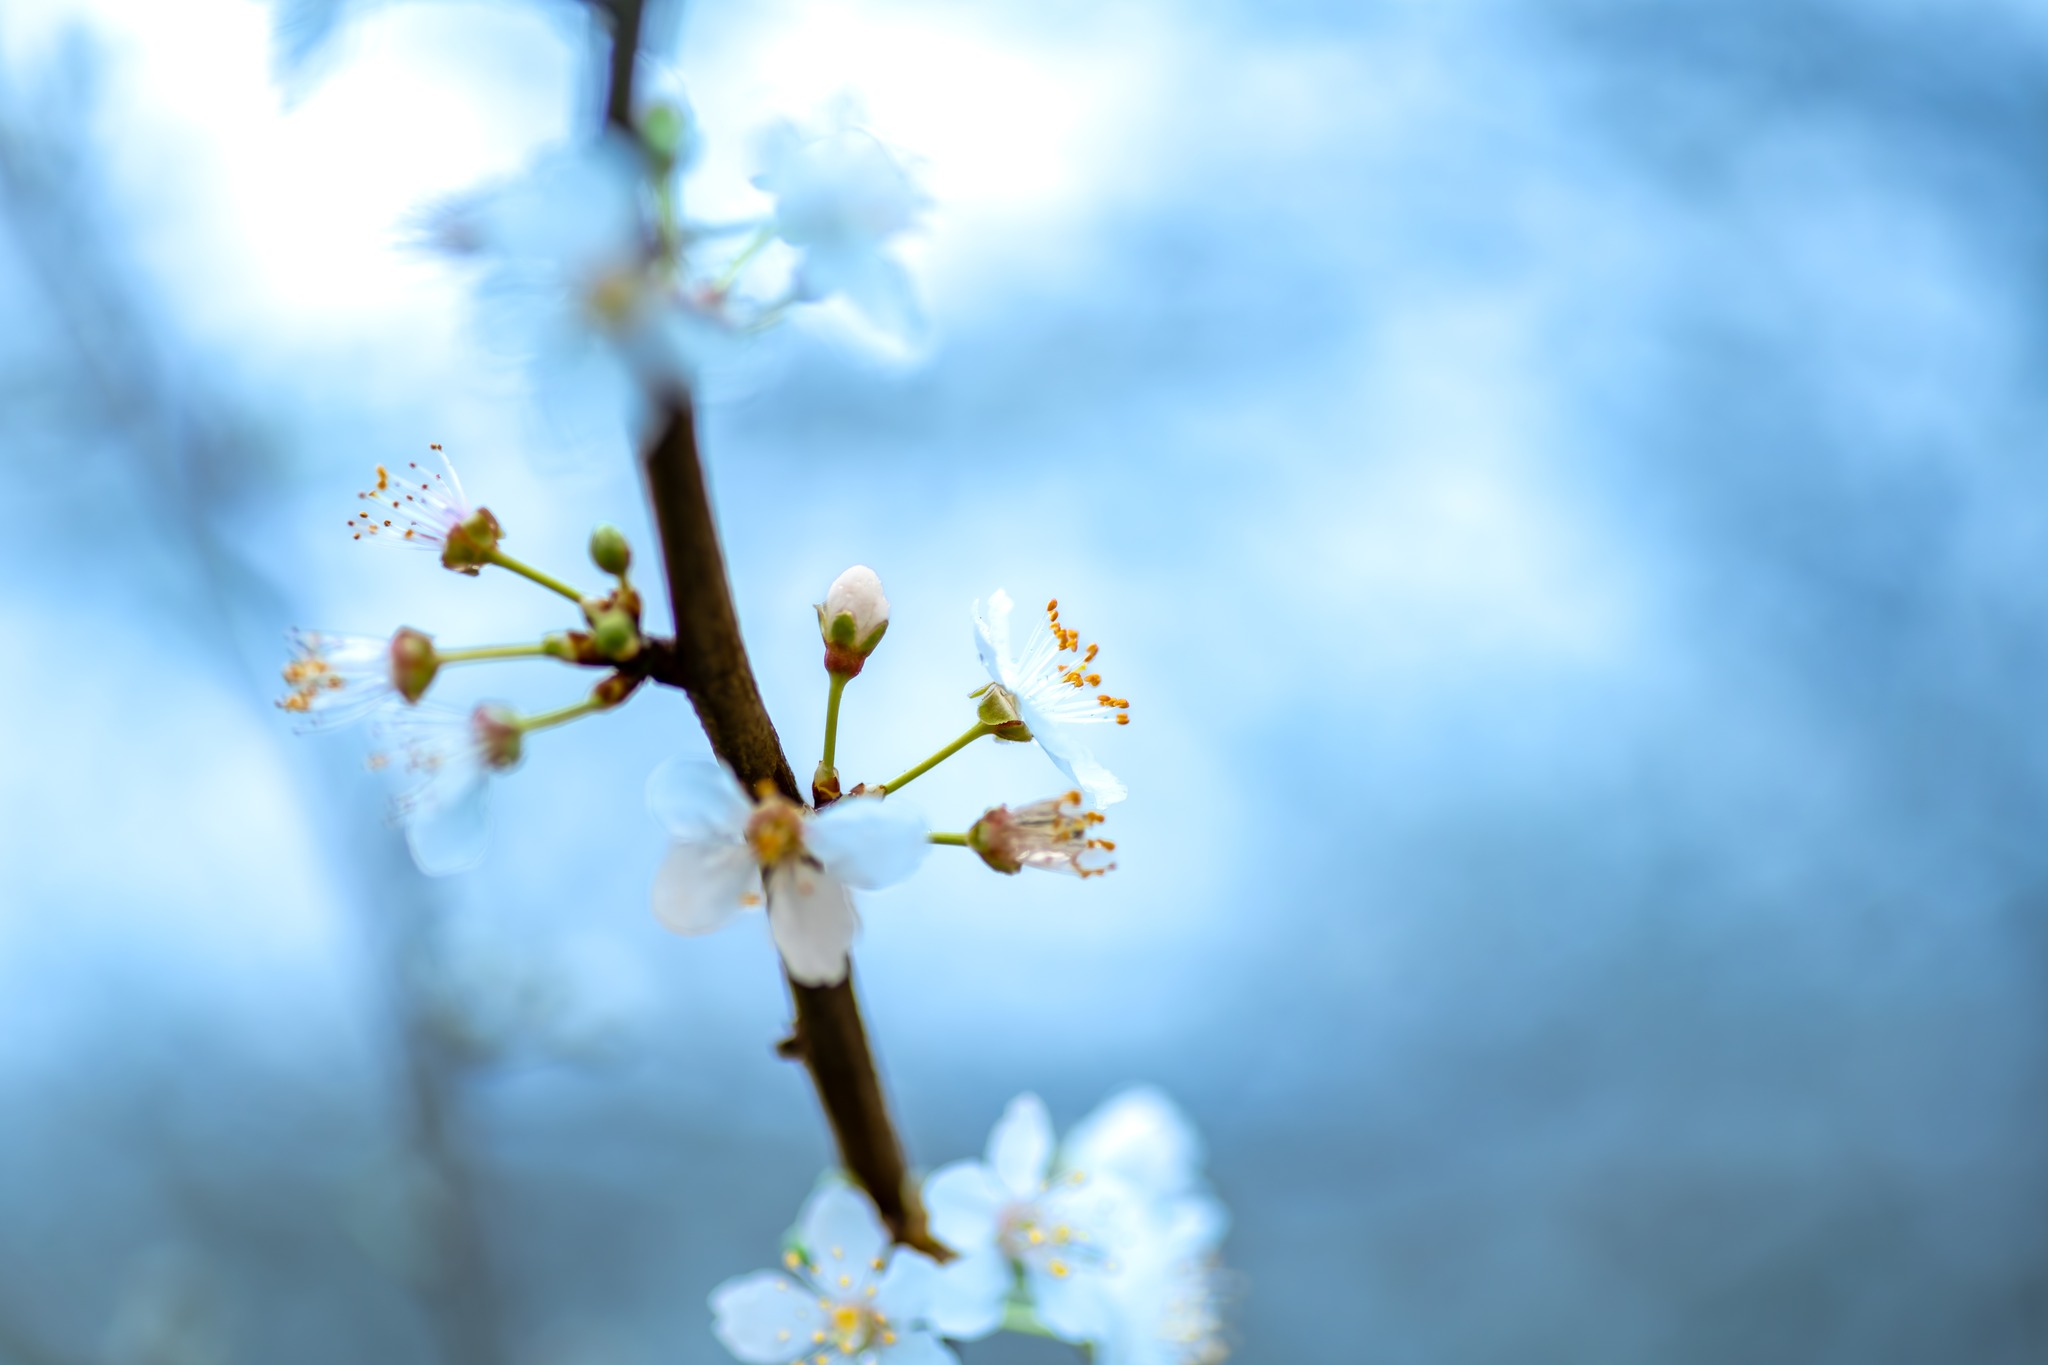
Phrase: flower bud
(615, 635)
(852, 619)
(413, 663)
(609, 550)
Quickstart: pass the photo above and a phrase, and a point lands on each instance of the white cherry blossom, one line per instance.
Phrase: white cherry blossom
(1050, 679)
(1055, 835)
(729, 849)
(335, 679)
(840, 196)
(848, 1295)
(448, 758)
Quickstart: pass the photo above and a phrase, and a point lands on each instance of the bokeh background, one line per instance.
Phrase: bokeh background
(1559, 481)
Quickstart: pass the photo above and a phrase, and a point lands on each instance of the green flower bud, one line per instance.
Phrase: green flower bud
(852, 620)
(615, 635)
(609, 550)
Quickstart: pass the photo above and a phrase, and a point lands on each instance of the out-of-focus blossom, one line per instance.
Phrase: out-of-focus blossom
(582, 287)
(840, 197)
(848, 1295)
(1050, 682)
(728, 848)
(428, 510)
(1015, 1213)
(448, 758)
(1056, 835)
(1112, 1238)
(335, 679)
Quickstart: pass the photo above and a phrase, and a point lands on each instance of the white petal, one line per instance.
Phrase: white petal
(868, 842)
(858, 593)
(992, 637)
(765, 1318)
(813, 920)
(699, 800)
(450, 832)
(1074, 1307)
(906, 1288)
(962, 1202)
(968, 1296)
(1071, 757)
(700, 886)
(844, 1237)
(1140, 1136)
(917, 1348)
(1020, 1148)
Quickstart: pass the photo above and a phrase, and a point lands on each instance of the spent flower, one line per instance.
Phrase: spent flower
(447, 758)
(847, 1295)
(428, 509)
(1050, 684)
(728, 850)
(335, 679)
(1057, 835)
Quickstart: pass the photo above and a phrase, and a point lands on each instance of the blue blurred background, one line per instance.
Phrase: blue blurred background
(1558, 482)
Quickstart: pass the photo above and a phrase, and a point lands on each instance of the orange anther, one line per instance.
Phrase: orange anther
(1122, 719)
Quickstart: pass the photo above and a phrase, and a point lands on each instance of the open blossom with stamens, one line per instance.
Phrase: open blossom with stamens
(848, 1295)
(728, 849)
(840, 196)
(335, 679)
(428, 509)
(1051, 682)
(1019, 1215)
(1057, 835)
(448, 758)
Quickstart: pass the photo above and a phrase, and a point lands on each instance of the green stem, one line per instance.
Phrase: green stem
(464, 656)
(505, 561)
(528, 724)
(976, 731)
(950, 840)
(838, 685)
(761, 238)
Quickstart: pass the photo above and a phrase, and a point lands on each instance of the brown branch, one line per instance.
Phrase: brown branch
(708, 660)
(618, 100)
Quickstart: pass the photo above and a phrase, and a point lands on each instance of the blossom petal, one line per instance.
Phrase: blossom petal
(694, 799)
(962, 1203)
(1139, 1136)
(1020, 1148)
(1097, 783)
(992, 636)
(450, 832)
(970, 1291)
(1073, 1307)
(868, 842)
(844, 1237)
(765, 1318)
(700, 886)
(917, 1348)
(813, 921)
(906, 1288)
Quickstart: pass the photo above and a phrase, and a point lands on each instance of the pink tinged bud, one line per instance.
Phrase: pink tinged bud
(413, 663)
(852, 619)
(1058, 835)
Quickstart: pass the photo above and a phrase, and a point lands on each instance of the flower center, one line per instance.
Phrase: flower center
(1030, 1237)
(775, 831)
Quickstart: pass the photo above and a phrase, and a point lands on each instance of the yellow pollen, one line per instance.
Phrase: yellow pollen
(1036, 1237)
(1122, 719)
(888, 1338)
(751, 899)
(845, 1319)
(838, 1253)
(1058, 1269)
(782, 1334)
(845, 1281)
(791, 1259)
(383, 478)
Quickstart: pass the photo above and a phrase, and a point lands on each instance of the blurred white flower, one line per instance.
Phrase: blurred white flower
(1015, 1214)
(335, 679)
(448, 757)
(727, 848)
(1056, 835)
(1048, 680)
(840, 196)
(849, 1295)
(1112, 1238)
(583, 288)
